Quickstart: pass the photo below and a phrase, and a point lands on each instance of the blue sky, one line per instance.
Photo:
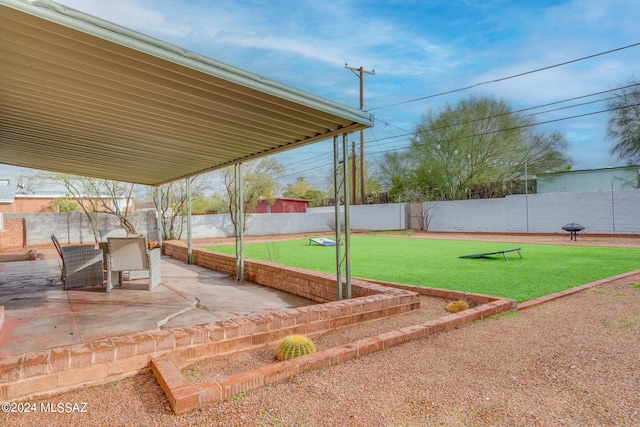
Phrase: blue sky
(418, 49)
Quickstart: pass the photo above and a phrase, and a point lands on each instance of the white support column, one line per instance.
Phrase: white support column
(159, 229)
(347, 221)
(337, 183)
(239, 214)
(341, 196)
(189, 247)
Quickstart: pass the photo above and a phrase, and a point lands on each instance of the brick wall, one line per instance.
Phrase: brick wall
(14, 234)
(28, 205)
(315, 286)
(105, 360)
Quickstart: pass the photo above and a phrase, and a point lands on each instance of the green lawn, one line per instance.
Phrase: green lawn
(544, 269)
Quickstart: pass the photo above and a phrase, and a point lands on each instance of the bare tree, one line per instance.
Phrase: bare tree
(173, 203)
(101, 195)
(420, 208)
(258, 182)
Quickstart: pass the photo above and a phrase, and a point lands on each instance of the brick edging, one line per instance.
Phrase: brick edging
(62, 368)
(546, 298)
(184, 397)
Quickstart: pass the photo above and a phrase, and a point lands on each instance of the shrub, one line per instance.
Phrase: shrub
(457, 306)
(294, 346)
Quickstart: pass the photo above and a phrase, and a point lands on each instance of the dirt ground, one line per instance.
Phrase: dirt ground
(569, 362)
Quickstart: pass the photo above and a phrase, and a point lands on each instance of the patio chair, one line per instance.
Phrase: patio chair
(82, 265)
(131, 254)
(118, 232)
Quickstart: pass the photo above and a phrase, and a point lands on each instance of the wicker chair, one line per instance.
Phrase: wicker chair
(118, 232)
(131, 254)
(82, 265)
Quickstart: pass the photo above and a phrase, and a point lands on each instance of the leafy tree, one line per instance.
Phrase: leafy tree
(396, 174)
(219, 203)
(258, 182)
(64, 204)
(201, 204)
(301, 189)
(624, 123)
(371, 183)
(476, 148)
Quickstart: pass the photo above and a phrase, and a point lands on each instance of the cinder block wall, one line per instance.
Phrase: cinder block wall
(75, 227)
(599, 212)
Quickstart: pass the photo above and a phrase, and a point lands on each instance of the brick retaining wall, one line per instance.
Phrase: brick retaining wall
(67, 367)
(315, 286)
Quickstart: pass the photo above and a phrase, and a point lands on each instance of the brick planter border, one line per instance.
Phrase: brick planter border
(67, 367)
(185, 397)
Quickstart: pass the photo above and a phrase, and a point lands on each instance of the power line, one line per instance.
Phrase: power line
(506, 78)
(524, 126)
(404, 135)
(528, 109)
(377, 141)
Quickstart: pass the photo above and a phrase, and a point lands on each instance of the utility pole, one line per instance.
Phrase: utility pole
(360, 72)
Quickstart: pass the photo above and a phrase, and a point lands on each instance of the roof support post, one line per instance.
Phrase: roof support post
(341, 192)
(239, 214)
(347, 220)
(189, 247)
(159, 231)
(336, 206)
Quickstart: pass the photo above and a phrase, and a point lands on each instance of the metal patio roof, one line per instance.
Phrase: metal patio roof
(84, 96)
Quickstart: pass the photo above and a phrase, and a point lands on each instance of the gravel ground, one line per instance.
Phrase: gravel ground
(569, 362)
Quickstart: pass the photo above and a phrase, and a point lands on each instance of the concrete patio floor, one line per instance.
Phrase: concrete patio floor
(39, 314)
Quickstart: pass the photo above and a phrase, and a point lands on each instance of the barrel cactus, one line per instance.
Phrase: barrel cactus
(294, 346)
(457, 306)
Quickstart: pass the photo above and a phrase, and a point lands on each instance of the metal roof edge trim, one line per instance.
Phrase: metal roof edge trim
(78, 20)
(333, 133)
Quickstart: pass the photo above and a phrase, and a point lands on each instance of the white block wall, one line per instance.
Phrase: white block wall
(598, 212)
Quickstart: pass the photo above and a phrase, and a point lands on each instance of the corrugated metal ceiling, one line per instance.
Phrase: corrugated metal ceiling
(84, 96)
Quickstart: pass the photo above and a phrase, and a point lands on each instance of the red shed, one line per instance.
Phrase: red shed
(282, 205)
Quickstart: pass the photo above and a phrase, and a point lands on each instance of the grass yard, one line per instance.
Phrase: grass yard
(544, 269)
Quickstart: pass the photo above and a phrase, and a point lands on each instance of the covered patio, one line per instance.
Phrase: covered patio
(39, 314)
(84, 96)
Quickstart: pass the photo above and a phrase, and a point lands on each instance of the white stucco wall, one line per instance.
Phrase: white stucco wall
(599, 212)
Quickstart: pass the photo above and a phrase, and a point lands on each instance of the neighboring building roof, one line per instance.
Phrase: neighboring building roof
(8, 188)
(33, 186)
(36, 187)
(601, 179)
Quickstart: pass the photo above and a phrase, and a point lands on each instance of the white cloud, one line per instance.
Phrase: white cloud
(417, 48)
